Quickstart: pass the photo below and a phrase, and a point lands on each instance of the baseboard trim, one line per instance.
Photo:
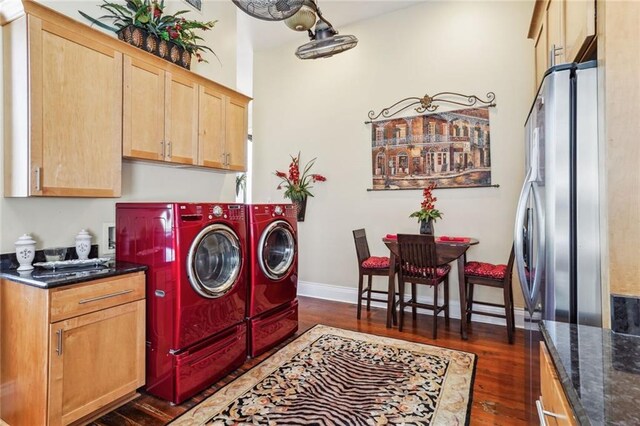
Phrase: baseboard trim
(349, 295)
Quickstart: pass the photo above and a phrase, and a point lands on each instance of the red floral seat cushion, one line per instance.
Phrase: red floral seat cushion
(441, 271)
(376, 262)
(485, 270)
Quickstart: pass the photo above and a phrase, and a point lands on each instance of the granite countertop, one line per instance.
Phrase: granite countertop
(599, 370)
(47, 278)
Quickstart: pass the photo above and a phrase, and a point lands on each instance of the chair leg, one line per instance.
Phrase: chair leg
(513, 315)
(446, 300)
(435, 311)
(369, 293)
(401, 296)
(360, 279)
(508, 312)
(469, 300)
(394, 316)
(414, 300)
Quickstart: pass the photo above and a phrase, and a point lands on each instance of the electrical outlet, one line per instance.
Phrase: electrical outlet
(108, 241)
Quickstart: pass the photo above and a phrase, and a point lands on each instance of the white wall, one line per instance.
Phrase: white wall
(56, 221)
(318, 107)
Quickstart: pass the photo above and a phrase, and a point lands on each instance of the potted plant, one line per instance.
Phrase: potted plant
(297, 186)
(427, 213)
(143, 24)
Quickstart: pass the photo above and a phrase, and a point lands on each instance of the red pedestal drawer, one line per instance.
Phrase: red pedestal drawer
(206, 364)
(268, 330)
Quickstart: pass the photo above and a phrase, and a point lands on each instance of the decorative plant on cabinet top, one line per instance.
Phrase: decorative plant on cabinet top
(143, 24)
(297, 185)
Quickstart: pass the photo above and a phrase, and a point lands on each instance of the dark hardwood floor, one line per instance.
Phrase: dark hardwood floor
(498, 394)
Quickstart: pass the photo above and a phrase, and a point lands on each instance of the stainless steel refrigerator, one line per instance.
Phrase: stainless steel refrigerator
(557, 229)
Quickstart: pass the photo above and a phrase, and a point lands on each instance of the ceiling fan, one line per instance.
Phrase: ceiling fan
(300, 15)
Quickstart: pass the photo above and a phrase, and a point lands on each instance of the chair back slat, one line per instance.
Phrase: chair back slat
(362, 247)
(418, 257)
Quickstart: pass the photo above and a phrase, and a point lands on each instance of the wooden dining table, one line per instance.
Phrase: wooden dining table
(447, 252)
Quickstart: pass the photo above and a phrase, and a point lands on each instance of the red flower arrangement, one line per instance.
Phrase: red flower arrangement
(297, 186)
(427, 210)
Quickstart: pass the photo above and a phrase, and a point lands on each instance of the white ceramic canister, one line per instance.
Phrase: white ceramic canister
(83, 244)
(25, 252)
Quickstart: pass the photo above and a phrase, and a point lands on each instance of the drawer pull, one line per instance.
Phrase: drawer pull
(59, 343)
(542, 413)
(106, 296)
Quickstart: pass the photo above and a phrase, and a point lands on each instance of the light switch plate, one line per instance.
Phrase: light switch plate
(108, 241)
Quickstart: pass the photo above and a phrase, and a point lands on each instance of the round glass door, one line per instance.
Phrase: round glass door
(277, 250)
(214, 261)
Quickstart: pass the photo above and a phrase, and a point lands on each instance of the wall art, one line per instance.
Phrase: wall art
(449, 148)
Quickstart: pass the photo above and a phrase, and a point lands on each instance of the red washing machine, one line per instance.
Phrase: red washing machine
(196, 290)
(272, 309)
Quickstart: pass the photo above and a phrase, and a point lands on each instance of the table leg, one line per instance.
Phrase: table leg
(463, 297)
(391, 290)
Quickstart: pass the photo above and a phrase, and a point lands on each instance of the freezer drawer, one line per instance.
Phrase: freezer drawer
(200, 367)
(268, 330)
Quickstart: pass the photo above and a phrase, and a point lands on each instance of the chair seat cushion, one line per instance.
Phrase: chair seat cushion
(485, 270)
(376, 262)
(441, 271)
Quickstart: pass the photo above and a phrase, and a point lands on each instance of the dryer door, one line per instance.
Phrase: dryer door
(214, 261)
(277, 250)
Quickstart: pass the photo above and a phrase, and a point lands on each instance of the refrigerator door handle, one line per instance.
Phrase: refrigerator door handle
(540, 259)
(518, 238)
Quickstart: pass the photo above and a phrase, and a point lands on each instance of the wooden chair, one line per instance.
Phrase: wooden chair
(418, 264)
(487, 274)
(369, 266)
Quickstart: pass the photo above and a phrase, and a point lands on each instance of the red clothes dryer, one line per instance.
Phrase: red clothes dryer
(196, 290)
(272, 308)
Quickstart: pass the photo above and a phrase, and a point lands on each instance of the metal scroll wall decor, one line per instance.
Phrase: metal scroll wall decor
(451, 148)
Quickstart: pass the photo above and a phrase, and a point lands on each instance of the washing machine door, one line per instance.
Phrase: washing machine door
(277, 250)
(214, 261)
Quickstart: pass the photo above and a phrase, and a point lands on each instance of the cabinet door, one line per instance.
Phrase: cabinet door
(94, 360)
(555, 33)
(181, 119)
(580, 27)
(211, 129)
(143, 110)
(236, 135)
(541, 53)
(76, 113)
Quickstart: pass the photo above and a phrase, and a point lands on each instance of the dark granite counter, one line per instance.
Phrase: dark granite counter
(599, 370)
(47, 278)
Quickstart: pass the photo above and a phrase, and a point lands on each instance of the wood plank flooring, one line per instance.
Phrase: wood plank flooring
(498, 395)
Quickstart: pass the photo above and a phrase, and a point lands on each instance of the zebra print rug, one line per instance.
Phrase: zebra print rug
(330, 376)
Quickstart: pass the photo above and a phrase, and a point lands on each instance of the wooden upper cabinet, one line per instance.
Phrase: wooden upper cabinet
(143, 110)
(222, 130)
(211, 129)
(563, 31)
(580, 27)
(181, 119)
(63, 109)
(236, 134)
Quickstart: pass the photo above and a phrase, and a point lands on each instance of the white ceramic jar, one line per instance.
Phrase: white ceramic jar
(83, 244)
(25, 252)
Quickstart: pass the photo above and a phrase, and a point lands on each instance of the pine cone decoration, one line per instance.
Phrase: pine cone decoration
(137, 37)
(163, 49)
(151, 43)
(174, 54)
(186, 59)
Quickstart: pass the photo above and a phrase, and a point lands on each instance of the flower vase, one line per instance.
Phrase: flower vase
(426, 226)
(301, 206)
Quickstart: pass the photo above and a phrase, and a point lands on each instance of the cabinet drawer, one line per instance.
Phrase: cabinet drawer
(553, 402)
(68, 302)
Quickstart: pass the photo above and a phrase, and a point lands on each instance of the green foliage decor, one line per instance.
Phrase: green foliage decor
(149, 15)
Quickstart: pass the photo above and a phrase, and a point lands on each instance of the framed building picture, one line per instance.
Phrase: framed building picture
(197, 4)
(449, 148)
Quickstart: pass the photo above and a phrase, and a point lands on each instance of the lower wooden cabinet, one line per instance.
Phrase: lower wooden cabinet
(91, 359)
(553, 407)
